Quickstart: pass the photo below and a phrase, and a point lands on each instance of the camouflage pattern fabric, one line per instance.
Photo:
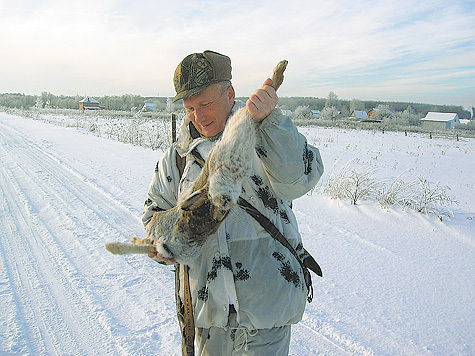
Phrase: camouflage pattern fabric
(198, 71)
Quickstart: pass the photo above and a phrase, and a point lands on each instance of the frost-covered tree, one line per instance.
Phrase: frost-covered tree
(302, 113)
(356, 105)
(382, 113)
(332, 100)
(169, 107)
(329, 113)
(38, 103)
(406, 118)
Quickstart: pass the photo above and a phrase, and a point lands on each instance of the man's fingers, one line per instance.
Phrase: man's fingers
(263, 101)
(268, 81)
(159, 258)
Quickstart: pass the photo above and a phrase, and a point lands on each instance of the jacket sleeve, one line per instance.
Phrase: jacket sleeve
(292, 165)
(163, 188)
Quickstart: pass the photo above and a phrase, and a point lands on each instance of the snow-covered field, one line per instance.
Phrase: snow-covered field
(395, 282)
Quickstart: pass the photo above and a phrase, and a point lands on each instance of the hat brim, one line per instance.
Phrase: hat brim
(190, 92)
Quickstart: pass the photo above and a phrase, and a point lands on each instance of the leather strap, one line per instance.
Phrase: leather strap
(307, 263)
(189, 327)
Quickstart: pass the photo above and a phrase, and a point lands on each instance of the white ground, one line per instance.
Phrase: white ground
(395, 282)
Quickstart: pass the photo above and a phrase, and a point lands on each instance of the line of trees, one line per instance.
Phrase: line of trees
(47, 100)
(330, 107)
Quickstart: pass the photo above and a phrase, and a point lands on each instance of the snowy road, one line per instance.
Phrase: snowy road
(398, 283)
(61, 294)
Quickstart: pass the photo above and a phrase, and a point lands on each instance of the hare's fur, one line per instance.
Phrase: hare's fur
(180, 233)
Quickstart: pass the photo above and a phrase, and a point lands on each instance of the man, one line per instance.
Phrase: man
(247, 288)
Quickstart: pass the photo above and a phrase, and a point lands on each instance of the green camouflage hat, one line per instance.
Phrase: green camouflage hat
(198, 71)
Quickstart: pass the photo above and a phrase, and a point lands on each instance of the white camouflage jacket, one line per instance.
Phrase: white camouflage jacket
(241, 264)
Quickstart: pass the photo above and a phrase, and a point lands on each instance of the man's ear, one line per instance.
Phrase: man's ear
(231, 95)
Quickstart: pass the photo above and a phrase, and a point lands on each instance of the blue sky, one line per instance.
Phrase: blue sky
(414, 51)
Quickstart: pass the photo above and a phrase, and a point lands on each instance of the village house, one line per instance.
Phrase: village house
(316, 113)
(359, 115)
(440, 120)
(147, 107)
(89, 103)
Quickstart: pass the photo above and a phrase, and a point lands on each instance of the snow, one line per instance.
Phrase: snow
(89, 100)
(440, 116)
(395, 282)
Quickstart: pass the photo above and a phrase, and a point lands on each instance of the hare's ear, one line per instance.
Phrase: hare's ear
(196, 199)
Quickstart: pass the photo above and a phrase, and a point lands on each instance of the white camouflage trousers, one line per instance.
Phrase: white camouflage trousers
(235, 341)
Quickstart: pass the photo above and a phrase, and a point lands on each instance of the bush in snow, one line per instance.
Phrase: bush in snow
(417, 194)
(430, 200)
(357, 183)
(140, 131)
(397, 191)
(354, 183)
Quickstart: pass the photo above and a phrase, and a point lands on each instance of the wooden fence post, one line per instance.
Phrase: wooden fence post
(173, 117)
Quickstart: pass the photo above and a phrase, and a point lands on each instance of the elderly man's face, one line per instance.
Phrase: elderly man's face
(209, 110)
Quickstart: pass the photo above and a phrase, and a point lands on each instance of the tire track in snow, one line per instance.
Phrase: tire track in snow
(27, 283)
(57, 216)
(42, 266)
(332, 340)
(329, 342)
(13, 285)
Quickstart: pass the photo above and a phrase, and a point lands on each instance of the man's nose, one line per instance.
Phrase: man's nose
(200, 115)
